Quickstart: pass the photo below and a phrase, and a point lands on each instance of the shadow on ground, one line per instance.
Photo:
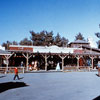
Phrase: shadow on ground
(21, 78)
(97, 75)
(97, 98)
(11, 85)
(2, 76)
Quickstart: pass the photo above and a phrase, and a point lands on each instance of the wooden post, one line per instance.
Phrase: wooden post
(27, 59)
(45, 62)
(23, 70)
(7, 61)
(62, 57)
(92, 63)
(62, 64)
(78, 62)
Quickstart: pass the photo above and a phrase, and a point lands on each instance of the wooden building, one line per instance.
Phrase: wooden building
(79, 43)
(4, 59)
(47, 57)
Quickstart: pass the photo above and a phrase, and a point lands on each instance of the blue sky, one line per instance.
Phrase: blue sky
(68, 17)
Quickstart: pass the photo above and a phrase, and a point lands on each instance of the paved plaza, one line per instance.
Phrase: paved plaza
(53, 86)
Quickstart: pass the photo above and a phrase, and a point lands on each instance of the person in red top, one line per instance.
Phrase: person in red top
(16, 73)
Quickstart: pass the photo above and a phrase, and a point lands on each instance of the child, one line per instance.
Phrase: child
(16, 73)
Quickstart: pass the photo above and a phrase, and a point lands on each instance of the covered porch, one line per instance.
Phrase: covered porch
(48, 61)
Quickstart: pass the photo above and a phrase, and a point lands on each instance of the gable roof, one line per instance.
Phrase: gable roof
(80, 42)
(93, 49)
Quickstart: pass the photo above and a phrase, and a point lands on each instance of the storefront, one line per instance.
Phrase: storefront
(47, 58)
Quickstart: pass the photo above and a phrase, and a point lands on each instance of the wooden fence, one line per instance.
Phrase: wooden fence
(76, 68)
(11, 69)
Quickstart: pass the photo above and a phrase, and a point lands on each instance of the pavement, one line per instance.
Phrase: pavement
(52, 86)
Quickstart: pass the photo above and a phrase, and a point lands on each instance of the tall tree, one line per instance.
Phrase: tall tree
(79, 37)
(25, 41)
(43, 38)
(6, 45)
(97, 34)
(98, 42)
(61, 41)
(64, 42)
(58, 40)
(49, 39)
(14, 43)
(38, 39)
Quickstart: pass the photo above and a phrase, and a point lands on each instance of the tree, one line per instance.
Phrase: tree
(25, 41)
(6, 45)
(64, 42)
(97, 34)
(58, 40)
(49, 39)
(42, 39)
(98, 42)
(45, 38)
(38, 39)
(42, 36)
(14, 43)
(79, 37)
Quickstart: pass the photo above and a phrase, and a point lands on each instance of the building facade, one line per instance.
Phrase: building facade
(48, 57)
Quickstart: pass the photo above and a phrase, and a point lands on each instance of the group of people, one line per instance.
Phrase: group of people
(33, 66)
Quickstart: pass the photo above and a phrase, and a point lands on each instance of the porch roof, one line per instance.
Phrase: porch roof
(55, 50)
(20, 51)
(4, 52)
(89, 48)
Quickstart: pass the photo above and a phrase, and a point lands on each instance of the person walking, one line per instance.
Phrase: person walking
(16, 73)
(98, 66)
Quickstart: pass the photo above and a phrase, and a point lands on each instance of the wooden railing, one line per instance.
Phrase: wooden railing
(70, 68)
(11, 69)
(85, 68)
(77, 68)
(66, 68)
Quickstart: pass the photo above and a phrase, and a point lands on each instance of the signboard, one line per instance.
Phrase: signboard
(21, 48)
(78, 51)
